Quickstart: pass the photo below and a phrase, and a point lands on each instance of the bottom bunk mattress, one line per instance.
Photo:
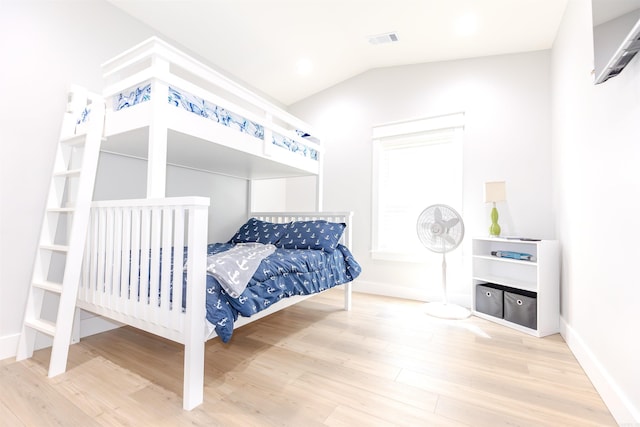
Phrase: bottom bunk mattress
(281, 273)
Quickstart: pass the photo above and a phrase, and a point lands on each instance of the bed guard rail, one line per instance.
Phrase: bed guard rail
(133, 267)
(154, 59)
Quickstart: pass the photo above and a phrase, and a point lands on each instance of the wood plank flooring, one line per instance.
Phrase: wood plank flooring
(385, 363)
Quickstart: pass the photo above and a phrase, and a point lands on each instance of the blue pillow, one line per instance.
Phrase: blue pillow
(317, 234)
(257, 231)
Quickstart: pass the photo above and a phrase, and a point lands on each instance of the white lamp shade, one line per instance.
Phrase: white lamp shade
(494, 191)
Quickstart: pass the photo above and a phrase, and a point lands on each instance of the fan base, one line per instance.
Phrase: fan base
(446, 311)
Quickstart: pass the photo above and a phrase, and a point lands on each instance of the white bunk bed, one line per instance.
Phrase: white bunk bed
(166, 107)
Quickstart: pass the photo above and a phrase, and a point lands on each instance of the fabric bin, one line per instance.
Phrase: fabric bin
(521, 308)
(489, 300)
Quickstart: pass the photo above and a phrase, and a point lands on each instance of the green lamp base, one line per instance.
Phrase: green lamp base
(494, 228)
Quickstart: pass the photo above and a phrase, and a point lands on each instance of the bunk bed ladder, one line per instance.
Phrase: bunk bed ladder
(57, 266)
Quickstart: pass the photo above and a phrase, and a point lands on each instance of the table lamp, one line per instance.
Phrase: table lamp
(494, 192)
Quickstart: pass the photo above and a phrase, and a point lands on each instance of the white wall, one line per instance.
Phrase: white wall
(46, 46)
(596, 150)
(269, 195)
(506, 100)
(125, 178)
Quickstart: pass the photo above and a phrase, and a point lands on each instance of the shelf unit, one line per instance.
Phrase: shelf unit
(542, 276)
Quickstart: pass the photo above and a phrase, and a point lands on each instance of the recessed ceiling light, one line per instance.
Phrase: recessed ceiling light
(304, 66)
(466, 25)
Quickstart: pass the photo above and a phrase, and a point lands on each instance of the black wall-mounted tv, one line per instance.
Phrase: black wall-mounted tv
(616, 36)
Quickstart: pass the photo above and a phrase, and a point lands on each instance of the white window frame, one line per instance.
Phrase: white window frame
(404, 134)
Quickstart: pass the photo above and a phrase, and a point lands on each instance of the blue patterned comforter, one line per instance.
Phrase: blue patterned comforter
(285, 273)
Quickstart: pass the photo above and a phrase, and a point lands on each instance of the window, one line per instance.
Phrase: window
(415, 164)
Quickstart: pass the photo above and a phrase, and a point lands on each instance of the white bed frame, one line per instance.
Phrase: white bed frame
(126, 233)
(155, 226)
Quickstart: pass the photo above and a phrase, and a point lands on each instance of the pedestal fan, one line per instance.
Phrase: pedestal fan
(440, 229)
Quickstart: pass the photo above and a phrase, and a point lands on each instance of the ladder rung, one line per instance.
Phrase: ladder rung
(49, 286)
(70, 172)
(57, 248)
(61, 210)
(78, 139)
(41, 325)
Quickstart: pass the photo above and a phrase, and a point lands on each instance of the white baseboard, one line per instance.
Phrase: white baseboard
(9, 346)
(89, 326)
(618, 403)
(405, 292)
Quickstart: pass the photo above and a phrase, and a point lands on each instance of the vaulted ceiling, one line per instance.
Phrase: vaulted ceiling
(291, 49)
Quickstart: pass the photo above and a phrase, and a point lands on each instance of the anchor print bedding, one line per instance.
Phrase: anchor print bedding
(296, 258)
(235, 267)
(284, 273)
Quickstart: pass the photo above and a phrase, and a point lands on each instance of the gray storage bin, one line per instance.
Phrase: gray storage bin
(489, 300)
(521, 308)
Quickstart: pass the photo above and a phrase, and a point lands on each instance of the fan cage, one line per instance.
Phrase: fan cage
(440, 228)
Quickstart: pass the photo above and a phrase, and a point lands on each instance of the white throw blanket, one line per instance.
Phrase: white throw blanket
(235, 267)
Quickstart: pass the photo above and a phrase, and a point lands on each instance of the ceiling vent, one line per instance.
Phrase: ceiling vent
(383, 38)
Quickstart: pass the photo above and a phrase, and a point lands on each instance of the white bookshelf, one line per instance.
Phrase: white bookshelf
(542, 276)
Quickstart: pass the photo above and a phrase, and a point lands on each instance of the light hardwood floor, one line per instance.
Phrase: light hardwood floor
(385, 363)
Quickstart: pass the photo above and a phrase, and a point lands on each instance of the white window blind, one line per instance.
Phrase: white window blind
(416, 164)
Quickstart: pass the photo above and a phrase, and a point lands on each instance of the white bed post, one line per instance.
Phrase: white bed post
(319, 184)
(348, 289)
(157, 163)
(348, 234)
(194, 332)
